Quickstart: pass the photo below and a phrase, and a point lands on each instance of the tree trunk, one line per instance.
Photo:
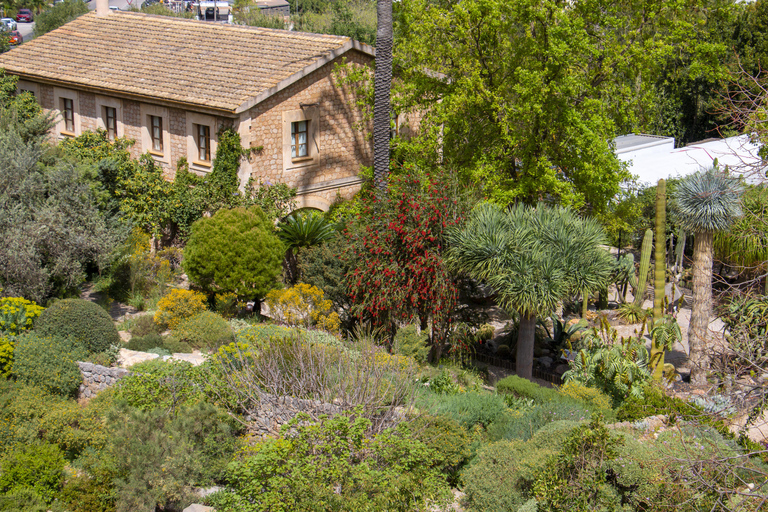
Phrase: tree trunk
(701, 308)
(526, 336)
(381, 85)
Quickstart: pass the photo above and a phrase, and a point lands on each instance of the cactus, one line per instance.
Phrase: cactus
(660, 274)
(679, 250)
(660, 257)
(645, 263)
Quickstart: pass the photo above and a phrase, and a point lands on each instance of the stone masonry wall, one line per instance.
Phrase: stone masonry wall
(87, 111)
(98, 378)
(343, 146)
(132, 125)
(275, 411)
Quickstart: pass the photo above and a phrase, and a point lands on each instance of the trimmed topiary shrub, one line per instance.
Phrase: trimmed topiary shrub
(144, 343)
(144, 325)
(84, 321)
(179, 305)
(49, 362)
(206, 329)
(37, 467)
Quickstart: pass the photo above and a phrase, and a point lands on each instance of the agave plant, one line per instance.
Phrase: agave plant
(705, 203)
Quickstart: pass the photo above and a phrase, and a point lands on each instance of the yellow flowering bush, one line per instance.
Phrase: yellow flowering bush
(303, 305)
(17, 314)
(179, 305)
(227, 304)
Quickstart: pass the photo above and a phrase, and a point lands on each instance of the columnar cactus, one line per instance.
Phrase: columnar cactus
(660, 274)
(645, 263)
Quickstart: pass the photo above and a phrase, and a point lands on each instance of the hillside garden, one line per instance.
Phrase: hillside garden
(499, 325)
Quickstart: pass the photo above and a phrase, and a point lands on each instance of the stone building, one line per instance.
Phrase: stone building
(171, 84)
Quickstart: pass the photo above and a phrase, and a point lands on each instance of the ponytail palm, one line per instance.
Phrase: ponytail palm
(532, 258)
(705, 203)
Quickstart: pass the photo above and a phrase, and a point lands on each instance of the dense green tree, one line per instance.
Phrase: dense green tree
(58, 15)
(524, 97)
(533, 258)
(234, 251)
(705, 203)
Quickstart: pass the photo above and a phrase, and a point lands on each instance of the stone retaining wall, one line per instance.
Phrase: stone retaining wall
(273, 412)
(98, 378)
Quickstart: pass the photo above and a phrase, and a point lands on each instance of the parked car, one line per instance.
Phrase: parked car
(8, 23)
(25, 15)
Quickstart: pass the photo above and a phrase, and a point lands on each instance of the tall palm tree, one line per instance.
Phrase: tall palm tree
(532, 258)
(705, 203)
(381, 88)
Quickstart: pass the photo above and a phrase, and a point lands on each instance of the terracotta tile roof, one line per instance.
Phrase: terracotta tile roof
(208, 64)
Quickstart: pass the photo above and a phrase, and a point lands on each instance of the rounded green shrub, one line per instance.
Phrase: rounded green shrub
(234, 251)
(144, 325)
(38, 467)
(146, 342)
(174, 346)
(48, 362)
(206, 329)
(87, 323)
(447, 438)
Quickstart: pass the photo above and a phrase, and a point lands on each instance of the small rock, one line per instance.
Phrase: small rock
(546, 361)
(561, 369)
(196, 507)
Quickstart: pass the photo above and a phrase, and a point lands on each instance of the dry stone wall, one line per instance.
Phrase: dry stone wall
(98, 378)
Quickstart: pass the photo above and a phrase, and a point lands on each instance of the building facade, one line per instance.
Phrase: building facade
(173, 93)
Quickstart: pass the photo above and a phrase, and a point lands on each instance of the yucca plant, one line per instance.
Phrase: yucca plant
(300, 230)
(705, 203)
(533, 258)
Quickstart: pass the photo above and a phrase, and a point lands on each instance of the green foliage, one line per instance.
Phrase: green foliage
(302, 305)
(333, 465)
(322, 267)
(746, 242)
(351, 18)
(204, 330)
(172, 345)
(27, 500)
(253, 17)
(144, 343)
(574, 480)
(234, 251)
(634, 313)
(532, 258)
(305, 229)
(746, 319)
(58, 15)
(144, 325)
(654, 402)
(161, 385)
(595, 399)
(468, 409)
(501, 476)
(87, 323)
(223, 180)
(707, 201)
(160, 458)
(411, 343)
(619, 368)
(276, 200)
(261, 335)
(162, 10)
(49, 362)
(448, 439)
(38, 467)
(177, 306)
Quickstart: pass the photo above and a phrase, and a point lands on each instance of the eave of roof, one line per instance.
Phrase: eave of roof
(209, 67)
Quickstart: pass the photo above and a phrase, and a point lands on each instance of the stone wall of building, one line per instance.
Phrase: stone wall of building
(342, 136)
(97, 378)
(87, 111)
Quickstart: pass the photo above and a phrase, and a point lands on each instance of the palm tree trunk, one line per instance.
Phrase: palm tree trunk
(381, 86)
(525, 340)
(701, 308)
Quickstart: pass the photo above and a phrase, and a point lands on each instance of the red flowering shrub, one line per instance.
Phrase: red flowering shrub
(400, 273)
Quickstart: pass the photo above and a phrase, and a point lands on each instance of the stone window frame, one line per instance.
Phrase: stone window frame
(312, 115)
(101, 103)
(59, 95)
(193, 154)
(146, 134)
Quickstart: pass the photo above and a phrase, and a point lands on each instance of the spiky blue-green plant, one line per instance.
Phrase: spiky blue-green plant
(532, 258)
(705, 203)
